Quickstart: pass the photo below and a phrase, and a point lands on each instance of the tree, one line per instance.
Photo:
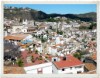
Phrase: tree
(33, 34)
(20, 63)
(33, 45)
(92, 26)
(47, 31)
(32, 58)
(50, 27)
(65, 36)
(20, 20)
(29, 49)
(36, 52)
(59, 32)
(93, 39)
(43, 39)
(83, 28)
(77, 55)
(40, 58)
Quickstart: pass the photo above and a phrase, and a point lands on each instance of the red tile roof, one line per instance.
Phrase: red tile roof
(70, 61)
(94, 56)
(16, 37)
(24, 54)
(90, 66)
(13, 37)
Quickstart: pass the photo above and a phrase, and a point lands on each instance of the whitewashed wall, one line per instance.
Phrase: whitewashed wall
(15, 27)
(68, 70)
(46, 68)
(52, 51)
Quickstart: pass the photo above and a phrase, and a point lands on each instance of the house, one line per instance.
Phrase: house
(25, 22)
(45, 68)
(68, 64)
(39, 48)
(7, 28)
(52, 50)
(19, 38)
(31, 29)
(19, 29)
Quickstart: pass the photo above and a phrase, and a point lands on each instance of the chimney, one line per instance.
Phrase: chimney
(55, 59)
(64, 58)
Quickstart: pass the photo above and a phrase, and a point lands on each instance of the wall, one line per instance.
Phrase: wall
(52, 51)
(46, 68)
(29, 37)
(68, 70)
(39, 49)
(55, 70)
(73, 70)
(15, 27)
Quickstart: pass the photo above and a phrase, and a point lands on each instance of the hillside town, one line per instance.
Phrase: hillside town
(38, 47)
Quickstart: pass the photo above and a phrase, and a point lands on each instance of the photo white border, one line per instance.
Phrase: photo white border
(49, 75)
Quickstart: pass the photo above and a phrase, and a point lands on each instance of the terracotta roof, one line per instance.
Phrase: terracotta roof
(49, 57)
(54, 47)
(19, 43)
(90, 72)
(70, 61)
(16, 37)
(13, 70)
(94, 56)
(35, 63)
(59, 45)
(13, 38)
(90, 66)
(25, 54)
(23, 45)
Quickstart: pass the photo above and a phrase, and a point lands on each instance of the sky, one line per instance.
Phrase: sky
(59, 8)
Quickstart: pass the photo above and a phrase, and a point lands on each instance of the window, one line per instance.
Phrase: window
(70, 67)
(78, 67)
(78, 71)
(54, 59)
(39, 71)
(24, 30)
(63, 69)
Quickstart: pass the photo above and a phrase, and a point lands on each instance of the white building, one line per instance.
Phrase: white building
(39, 48)
(68, 64)
(19, 29)
(45, 68)
(25, 22)
(57, 40)
(52, 50)
(19, 38)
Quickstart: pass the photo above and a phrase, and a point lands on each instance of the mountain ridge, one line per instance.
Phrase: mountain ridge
(40, 15)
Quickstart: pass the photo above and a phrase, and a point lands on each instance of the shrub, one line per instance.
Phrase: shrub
(20, 63)
(36, 52)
